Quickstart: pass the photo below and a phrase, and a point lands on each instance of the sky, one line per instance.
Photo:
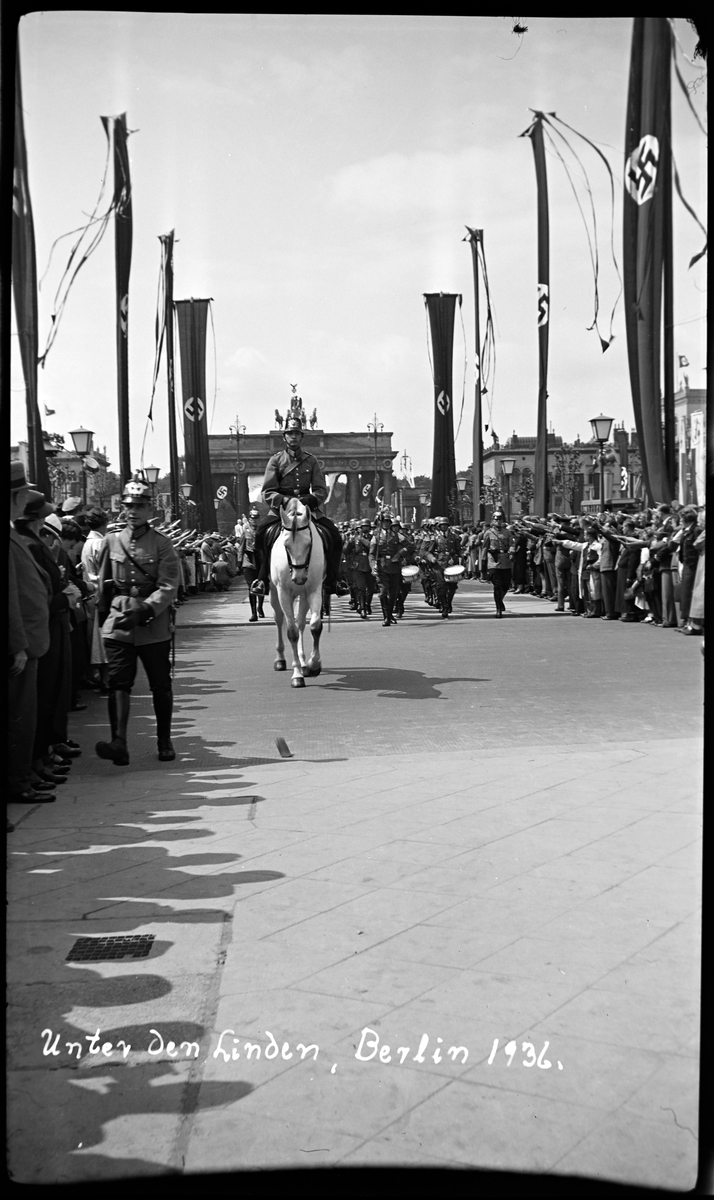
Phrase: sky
(319, 172)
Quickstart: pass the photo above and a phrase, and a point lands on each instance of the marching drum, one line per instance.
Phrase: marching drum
(410, 574)
(454, 572)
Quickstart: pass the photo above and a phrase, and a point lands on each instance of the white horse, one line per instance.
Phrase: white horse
(297, 574)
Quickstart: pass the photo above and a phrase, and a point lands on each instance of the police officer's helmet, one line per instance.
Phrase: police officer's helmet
(136, 490)
(293, 425)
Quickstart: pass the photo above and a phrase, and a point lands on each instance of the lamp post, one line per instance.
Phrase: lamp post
(238, 429)
(507, 465)
(462, 484)
(375, 427)
(406, 465)
(152, 474)
(601, 427)
(82, 442)
(186, 489)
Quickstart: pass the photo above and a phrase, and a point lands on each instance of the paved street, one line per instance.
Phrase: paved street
(483, 857)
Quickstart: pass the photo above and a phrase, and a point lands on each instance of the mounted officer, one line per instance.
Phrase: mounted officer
(294, 472)
(138, 582)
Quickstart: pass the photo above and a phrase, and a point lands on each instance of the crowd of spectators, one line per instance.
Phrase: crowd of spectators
(633, 567)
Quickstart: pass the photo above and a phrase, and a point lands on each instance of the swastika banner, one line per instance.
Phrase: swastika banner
(647, 216)
(442, 311)
(192, 320)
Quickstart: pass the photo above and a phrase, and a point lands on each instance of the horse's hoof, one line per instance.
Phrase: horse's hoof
(311, 672)
(279, 664)
(297, 681)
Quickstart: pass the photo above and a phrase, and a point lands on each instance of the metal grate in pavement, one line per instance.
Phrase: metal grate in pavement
(105, 949)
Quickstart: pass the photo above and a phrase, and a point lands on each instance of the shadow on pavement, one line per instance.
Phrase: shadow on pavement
(110, 866)
(393, 683)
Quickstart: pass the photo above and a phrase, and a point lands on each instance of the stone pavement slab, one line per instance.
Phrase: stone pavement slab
(435, 915)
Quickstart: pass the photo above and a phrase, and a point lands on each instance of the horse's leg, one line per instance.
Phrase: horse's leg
(314, 665)
(301, 606)
(279, 664)
(293, 635)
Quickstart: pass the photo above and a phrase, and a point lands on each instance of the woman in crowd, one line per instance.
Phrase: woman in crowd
(91, 554)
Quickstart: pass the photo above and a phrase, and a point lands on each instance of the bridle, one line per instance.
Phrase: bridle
(292, 529)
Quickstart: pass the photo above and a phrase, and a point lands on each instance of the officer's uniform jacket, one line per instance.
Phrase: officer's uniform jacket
(442, 550)
(385, 553)
(286, 476)
(361, 549)
(246, 546)
(158, 588)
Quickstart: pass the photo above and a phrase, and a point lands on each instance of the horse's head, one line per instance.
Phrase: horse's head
(294, 515)
(295, 520)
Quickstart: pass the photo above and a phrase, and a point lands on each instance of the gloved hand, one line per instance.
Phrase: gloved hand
(131, 617)
(311, 501)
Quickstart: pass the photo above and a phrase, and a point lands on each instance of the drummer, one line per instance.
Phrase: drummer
(444, 557)
(406, 541)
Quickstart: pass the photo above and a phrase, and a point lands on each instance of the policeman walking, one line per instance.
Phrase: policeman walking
(138, 583)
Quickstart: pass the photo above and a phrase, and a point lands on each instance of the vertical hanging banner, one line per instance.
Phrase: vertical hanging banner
(442, 310)
(192, 319)
(475, 237)
(540, 473)
(647, 217)
(116, 131)
(24, 286)
(165, 328)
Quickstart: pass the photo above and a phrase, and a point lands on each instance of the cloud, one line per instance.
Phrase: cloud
(428, 180)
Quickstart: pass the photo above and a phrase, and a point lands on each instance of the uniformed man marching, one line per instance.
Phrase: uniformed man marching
(138, 583)
(385, 559)
(295, 472)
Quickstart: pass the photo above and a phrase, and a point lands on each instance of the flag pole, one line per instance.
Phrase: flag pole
(167, 241)
(475, 237)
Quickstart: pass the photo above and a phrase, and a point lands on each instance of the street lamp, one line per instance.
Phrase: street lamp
(186, 489)
(82, 441)
(601, 427)
(507, 465)
(152, 474)
(238, 429)
(462, 484)
(375, 427)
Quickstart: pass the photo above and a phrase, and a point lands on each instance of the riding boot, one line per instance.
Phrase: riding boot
(116, 750)
(259, 586)
(253, 600)
(163, 707)
(260, 606)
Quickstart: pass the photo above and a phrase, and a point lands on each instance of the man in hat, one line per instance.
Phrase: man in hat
(72, 506)
(29, 595)
(138, 584)
(295, 472)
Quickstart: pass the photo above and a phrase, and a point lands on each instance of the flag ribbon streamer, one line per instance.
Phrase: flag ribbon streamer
(592, 241)
(76, 261)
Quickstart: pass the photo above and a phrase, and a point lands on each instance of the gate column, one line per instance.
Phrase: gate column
(387, 480)
(352, 495)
